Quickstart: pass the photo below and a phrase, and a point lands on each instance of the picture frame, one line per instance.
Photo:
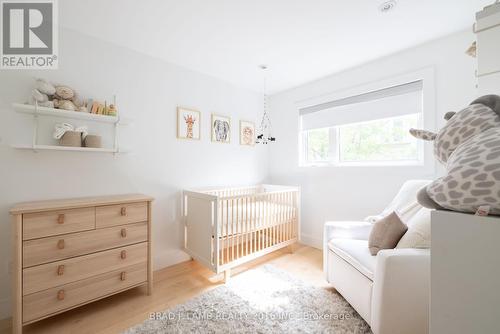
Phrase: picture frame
(188, 124)
(247, 133)
(221, 129)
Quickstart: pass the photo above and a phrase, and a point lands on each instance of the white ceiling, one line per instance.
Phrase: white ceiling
(300, 40)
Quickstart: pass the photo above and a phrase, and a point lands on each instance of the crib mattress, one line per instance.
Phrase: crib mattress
(252, 216)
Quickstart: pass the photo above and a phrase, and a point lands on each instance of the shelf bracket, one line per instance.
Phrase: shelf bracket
(35, 127)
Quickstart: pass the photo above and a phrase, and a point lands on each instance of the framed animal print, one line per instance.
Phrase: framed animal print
(221, 129)
(247, 133)
(188, 124)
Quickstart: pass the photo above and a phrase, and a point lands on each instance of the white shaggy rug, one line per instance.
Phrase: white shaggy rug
(263, 300)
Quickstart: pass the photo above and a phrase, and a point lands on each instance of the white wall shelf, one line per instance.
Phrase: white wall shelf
(43, 111)
(37, 112)
(66, 148)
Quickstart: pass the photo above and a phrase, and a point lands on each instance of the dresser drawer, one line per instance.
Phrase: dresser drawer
(52, 249)
(54, 300)
(58, 273)
(44, 224)
(113, 215)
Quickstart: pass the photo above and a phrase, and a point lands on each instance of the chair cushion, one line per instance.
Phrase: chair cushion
(386, 233)
(356, 253)
(419, 231)
(405, 198)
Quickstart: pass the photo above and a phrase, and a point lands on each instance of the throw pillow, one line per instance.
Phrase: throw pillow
(419, 231)
(386, 233)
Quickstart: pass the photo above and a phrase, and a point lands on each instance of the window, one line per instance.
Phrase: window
(366, 129)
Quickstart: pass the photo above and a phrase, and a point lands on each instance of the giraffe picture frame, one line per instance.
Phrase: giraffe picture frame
(188, 124)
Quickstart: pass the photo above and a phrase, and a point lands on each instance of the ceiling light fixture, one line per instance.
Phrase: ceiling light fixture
(387, 6)
(264, 136)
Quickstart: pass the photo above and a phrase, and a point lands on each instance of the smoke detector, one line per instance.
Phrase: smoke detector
(387, 6)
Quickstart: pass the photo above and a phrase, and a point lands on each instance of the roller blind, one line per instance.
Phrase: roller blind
(394, 101)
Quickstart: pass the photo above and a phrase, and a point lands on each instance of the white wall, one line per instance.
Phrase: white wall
(148, 90)
(350, 193)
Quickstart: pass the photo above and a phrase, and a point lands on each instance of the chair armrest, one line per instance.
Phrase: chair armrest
(347, 230)
(401, 291)
(344, 230)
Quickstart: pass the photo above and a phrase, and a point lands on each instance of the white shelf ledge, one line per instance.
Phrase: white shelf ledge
(66, 148)
(33, 110)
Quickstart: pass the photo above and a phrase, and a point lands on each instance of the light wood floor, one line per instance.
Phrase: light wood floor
(172, 286)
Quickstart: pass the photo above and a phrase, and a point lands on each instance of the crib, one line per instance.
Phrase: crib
(228, 227)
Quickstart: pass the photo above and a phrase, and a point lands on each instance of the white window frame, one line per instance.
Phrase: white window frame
(427, 121)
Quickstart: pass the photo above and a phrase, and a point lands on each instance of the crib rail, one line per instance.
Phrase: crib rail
(249, 224)
(239, 191)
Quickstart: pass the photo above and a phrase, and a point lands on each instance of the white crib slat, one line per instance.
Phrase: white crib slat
(287, 230)
(294, 213)
(254, 240)
(276, 218)
(273, 217)
(238, 226)
(243, 226)
(283, 219)
(269, 217)
(250, 222)
(282, 222)
(270, 221)
(222, 229)
(261, 222)
(247, 222)
(250, 225)
(232, 230)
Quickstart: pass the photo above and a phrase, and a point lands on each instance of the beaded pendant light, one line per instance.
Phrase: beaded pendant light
(264, 135)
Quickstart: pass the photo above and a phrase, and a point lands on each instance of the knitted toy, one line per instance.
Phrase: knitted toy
(62, 97)
(469, 147)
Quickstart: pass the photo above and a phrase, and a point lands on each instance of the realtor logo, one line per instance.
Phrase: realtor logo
(29, 34)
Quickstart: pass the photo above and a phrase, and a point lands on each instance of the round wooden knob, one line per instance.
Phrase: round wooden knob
(123, 211)
(123, 254)
(123, 276)
(60, 295)
(60, 244)
(60, 270)
(60, 219)
(124, 232)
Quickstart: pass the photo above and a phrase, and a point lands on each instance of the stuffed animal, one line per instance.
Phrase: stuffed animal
(469, 147)
(62, 97)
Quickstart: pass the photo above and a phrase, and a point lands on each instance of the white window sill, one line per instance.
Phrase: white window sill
(364, 164)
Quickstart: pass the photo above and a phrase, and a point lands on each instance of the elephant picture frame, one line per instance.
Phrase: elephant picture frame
(221, 129)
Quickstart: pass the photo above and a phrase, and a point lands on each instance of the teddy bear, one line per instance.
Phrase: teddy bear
(61, 97)
(469, 148)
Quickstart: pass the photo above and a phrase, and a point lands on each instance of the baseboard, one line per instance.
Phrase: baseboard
(311, 241)
(5, 309)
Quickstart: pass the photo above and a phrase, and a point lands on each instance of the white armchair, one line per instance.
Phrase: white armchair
(390, 290)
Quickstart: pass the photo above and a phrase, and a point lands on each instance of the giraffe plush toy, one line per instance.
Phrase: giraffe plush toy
(469, 147)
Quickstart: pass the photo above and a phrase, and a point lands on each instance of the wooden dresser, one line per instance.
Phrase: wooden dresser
(71, 252)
